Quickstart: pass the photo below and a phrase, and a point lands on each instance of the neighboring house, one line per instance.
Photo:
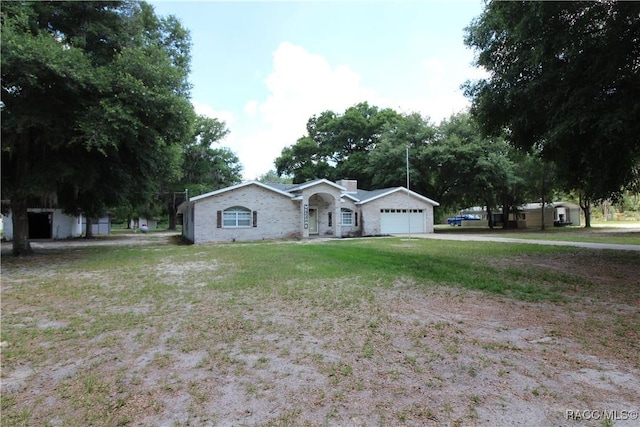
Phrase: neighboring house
(530, 215)
(256, 211)
(555, 213)
(46, 223)
(99, 226)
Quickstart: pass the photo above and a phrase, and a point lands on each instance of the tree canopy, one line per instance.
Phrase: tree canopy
(564, 81)
(452, 162)
(95, 101)
(206, 167)
(336, 145)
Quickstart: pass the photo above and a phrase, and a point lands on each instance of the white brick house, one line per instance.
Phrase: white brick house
(258, 211)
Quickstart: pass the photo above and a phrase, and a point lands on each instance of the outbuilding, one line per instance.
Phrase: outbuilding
(558, 214)
(50, 223)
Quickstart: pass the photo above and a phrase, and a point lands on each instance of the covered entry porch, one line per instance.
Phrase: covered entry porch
(320, 209)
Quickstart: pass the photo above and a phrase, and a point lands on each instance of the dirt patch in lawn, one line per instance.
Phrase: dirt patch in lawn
(320, 353)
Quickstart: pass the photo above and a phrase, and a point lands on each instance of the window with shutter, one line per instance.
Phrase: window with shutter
(236, 217)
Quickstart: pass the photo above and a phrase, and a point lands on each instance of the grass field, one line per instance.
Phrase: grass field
(384, 331)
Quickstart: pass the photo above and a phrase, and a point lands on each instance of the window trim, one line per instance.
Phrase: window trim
(232, 216)
(350, 216)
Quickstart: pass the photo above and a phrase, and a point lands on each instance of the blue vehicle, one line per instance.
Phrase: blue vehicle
(457, 220)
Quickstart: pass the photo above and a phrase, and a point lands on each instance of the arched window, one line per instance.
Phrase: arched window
(236, 216)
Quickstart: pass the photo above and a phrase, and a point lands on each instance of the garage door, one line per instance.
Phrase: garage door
(399, 221)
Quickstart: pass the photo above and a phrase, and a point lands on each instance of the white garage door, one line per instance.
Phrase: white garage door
(402, 221)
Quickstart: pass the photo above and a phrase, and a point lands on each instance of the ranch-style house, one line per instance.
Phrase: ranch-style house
(258, 211)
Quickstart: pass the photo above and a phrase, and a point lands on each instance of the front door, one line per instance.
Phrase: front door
(313, 221)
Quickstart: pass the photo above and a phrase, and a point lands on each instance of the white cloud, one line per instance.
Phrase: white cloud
(205, 110)
(437, 90)
(251, 107)
(229, 118)
(437, 93)
(302, 84)
(436, 71)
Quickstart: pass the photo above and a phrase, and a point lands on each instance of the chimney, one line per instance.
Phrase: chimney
(350, 184)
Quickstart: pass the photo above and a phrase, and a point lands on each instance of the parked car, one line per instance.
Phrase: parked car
(457, 220)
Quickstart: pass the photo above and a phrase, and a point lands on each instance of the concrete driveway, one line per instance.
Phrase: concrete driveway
(485, 238)
(139, 238)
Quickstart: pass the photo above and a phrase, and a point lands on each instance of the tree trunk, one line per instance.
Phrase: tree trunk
(171, 207)
(490, 217)
(88, 233)
(173, 221)
(505, 215)
(587, 217)
(20, 221)
(20, 197)
(585, 204)
(544, 193)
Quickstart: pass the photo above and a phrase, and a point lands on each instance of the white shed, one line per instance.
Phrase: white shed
(47, 223)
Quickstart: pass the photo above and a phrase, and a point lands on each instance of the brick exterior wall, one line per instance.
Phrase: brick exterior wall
(398, 200)
(281, 217)
(277, 216)
(352, 230)
(325, 198)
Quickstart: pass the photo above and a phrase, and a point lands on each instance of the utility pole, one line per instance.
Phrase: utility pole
(408, 195)
(407, 167)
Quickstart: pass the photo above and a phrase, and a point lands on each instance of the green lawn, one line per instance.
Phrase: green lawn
(599, 233)
(99, 335)
(376, 261)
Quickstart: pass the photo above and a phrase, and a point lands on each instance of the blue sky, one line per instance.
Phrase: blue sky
(265, 67)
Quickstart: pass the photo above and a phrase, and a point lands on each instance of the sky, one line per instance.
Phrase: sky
(266, 67)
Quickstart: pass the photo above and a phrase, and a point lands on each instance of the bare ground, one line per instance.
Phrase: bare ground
(399, 355)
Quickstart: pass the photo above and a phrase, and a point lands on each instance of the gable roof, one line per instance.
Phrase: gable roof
(368, 196)
(235, 187)
(530, 206)
(289, 190)
(558, 204)
(304, 185)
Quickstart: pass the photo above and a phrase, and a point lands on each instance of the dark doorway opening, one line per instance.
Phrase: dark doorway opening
(40, 225)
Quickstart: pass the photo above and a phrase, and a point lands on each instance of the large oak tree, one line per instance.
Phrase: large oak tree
(95, 100)
(564, 80)
(337, 145)
(451, 162)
